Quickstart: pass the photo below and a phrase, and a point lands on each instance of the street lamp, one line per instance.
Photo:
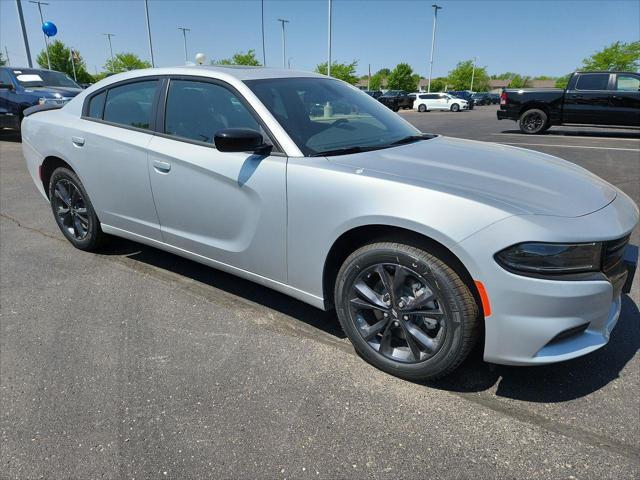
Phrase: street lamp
(46, 40)
(184, 35)
(24, 33)
(289, 62)
(109, 35)
(264, 52)
(284, 44)
(146, 12)
(433, 43)
(329, 44)
(473, 72)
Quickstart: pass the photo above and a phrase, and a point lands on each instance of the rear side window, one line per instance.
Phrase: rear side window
(197, 110)
(628, 83)
(593, 81)
(131, 104)
(96, 105)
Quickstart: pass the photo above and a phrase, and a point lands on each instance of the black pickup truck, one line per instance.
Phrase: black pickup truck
(591, 98)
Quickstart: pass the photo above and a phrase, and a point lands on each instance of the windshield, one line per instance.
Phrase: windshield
(325, 116)
(43, 78)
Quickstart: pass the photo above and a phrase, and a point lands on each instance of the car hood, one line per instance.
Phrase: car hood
(55, 92)
(528, 181)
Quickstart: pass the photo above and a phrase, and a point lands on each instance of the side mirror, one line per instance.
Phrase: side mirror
(7, 86)
(238, 140)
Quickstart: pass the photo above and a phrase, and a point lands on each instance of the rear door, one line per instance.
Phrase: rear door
(625, 100)
(111, 148)
(226, 206)
(587, 99)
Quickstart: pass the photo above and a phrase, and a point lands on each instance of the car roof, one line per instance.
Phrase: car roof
(236, 71)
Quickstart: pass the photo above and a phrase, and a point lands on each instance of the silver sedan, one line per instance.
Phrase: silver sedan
(423, 244)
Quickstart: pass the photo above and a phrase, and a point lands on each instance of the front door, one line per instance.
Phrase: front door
(229, 207)
(587, 100)
(625, 100)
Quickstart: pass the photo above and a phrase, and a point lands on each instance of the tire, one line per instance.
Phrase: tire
(440, 316)
(455, 107)
(80, 224)
(395, 108)
(533, 121)
(422, 108)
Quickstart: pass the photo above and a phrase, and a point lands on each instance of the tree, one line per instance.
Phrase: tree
(617, 56)
(3, 61)
(401, 78)
(563, 81)
(378, 81)
(384, 72)
(60, 57)
(341, 71)
(519, 81)
(123, 62)
(544, 77)
(240, 58)
(460, 77)
(438, 84)
(503, 76)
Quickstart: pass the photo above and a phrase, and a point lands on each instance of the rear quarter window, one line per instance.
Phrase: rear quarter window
(131, 104)
(96, 105)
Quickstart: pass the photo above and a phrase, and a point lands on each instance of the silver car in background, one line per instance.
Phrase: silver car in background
(423, 244)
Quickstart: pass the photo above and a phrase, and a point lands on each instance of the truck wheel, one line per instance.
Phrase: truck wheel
(395, 108)
(533, 121)
(422, 108)
(455, 107)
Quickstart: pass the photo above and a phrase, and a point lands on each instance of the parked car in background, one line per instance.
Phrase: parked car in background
(373, 93)
(495, 98)
(439, 101)
(415, 239)
(465, 95)
(481, 98)
(591, 98)
(397, 99)
(21, 88)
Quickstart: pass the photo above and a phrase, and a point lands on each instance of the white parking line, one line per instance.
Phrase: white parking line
(577, 137)
(571, 146)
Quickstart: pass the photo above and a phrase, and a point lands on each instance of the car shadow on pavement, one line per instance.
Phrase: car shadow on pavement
(324, 321)
(604, 134)
(10, 136)
(559, 382)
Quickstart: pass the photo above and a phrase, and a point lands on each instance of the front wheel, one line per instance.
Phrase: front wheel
(73, 210)
(405, 310)
(455, 107)
(533, 121)
(395, 108)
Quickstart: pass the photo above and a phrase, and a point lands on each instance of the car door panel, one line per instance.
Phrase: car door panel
(587, 102)
(625, 101)
(230, 207)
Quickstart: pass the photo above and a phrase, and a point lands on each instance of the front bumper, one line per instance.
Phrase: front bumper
(538, 321)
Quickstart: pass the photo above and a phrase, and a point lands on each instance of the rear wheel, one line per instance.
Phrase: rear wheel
(405, 311)
(395, 108)
(533, 121)
(422, 108)
(455, 107)
(73, 210)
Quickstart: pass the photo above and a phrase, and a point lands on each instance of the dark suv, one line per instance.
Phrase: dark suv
(397, 99)
(465, 95)
(21, 88)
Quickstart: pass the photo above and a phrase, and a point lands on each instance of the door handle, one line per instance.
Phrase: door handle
(575, 95)
(161, 167)
(77, 141)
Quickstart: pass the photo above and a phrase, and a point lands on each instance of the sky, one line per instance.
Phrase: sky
(548, 37)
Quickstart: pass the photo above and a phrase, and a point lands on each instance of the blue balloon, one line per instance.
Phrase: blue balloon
(49, 29)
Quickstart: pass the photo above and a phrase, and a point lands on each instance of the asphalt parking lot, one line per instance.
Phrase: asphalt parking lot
(135, 363)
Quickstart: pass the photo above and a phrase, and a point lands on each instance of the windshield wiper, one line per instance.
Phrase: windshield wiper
(344, 151)
(412, 138)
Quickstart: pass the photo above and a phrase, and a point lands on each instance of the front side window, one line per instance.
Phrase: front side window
(131, 104)
(324, 115)
(628, 83)
(592, 81)
(197, 110)
(5, 78)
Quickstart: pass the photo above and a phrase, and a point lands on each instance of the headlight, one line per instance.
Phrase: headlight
(52, 101)
(546, 259)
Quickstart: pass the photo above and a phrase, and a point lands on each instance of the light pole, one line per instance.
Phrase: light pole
(329, 44)
(264, 52)
(109, 35)
(46, 40)
(473, 72)
(289, 62)
(284, 43)
(146, 12)
(184, 34)
(24, 33)
(433, 42)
